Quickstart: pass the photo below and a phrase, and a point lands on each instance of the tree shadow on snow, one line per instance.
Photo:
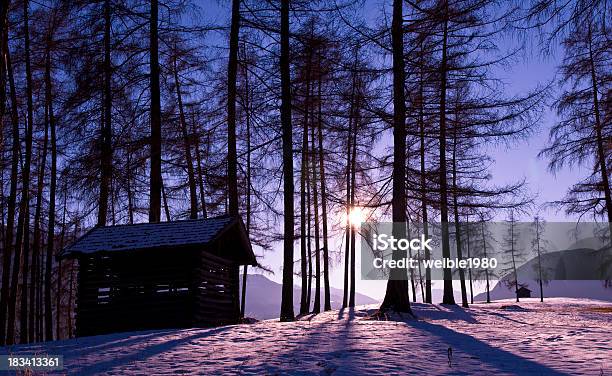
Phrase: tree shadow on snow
(337, 344)
(341, 344)
(421, 311)
(505, 317)
(350, 314)
(501, 359)
(84, 346)
(78, 347)
(127, 357)
(347, 313)
(453, 312)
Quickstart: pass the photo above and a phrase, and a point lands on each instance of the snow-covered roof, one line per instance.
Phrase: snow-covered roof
(193, 232)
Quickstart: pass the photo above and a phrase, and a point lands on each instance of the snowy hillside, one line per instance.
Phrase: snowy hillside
(570, 273)
(557, 289)
(263, 297)
(559, 337)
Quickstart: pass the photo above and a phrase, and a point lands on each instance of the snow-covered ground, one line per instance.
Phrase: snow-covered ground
(561, 336)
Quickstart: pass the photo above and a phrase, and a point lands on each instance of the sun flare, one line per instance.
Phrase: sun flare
(356, 216)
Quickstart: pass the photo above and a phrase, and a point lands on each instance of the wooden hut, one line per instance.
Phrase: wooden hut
(159, 275)
(523, 292)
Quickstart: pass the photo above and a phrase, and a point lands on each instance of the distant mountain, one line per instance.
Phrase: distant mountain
(571, 264)
(263, 297)
(572, 274)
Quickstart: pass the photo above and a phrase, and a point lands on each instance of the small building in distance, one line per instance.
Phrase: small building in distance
(523, 292)
(159, 275)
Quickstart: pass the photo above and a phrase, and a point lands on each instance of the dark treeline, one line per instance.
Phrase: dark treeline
(291, 114)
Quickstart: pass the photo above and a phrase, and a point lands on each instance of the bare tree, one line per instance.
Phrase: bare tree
(23, 225)
(106, 157)
(579, 137)
(232, 69)
(396, 295)
(155, 181)
(538, 226)
(36, 243)
(286, 313)
(12, 200)
(52, 194)
(516, 254)
(327, 303)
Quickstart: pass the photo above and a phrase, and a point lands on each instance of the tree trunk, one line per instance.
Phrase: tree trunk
(36, 246)
(155, 187)
(128, 188)
(411, 270)
(448, 297)
(349, 146)
(315, 196)
(58, 296)
(193, 198)
(305, 261)
(34, 283)
(423, 188)
(196, 137)
(113, 203)
(327, 304)
(539, 259)
(165, 201)
(484, 247)
(247, 106)
(3, 13)
(58, 300)
(308, 230)
(396, 295)
(39, 299)
(464, 301)
(52, 192)
(4, 6)
(353, 173)
(467, 234)
(287, 137)
(12, 199)
(516, 282)
(106, 160)
(232, 69)
(23, 225)
(70, 294)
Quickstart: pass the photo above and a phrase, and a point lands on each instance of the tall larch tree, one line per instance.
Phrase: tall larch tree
(23, 222)
(396, 295)
(106, 156)
(286, 313)
(12, 199)
(52, 195)
(155, 180)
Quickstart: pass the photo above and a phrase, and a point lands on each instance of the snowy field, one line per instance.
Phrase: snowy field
(562, 336)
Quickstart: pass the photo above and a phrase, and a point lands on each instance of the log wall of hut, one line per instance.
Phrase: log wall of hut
(216, 299)
(150, 289)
